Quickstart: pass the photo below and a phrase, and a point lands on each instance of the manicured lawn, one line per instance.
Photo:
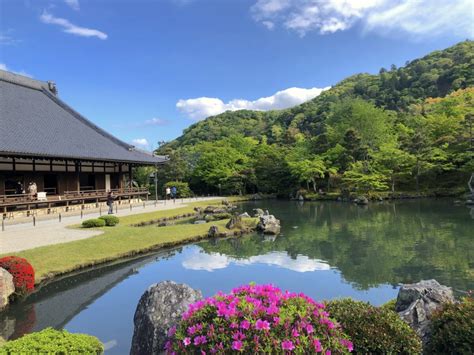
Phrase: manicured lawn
(116, 242)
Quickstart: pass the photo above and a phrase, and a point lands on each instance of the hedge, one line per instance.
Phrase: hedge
(93, 223)
(51, 341)
(110, 220)
(374, 329)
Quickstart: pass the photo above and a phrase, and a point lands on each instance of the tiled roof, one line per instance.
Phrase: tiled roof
(35, 122)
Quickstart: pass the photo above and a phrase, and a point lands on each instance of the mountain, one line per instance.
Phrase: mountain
(434, 75)
(404, 128)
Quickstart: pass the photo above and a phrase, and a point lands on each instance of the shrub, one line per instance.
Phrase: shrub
(110, 220)
(256, 319)
(219, 216)
(22, 271)
(93, 223)
(390, 305)
(374, 330)
(51, 341)
(452, 329)
(182, 188)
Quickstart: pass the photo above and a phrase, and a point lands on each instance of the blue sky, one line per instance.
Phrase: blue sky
(147, 69)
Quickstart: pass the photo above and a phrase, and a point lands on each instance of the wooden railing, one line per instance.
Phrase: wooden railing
(12, 201)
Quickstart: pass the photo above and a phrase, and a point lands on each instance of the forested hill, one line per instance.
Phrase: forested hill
(403, 129)
(434, 75)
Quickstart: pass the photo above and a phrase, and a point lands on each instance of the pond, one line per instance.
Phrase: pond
(326, 250)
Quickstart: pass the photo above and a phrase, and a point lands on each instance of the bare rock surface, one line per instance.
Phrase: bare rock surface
(159, 309)
(417, 302)
(7, 287)
(268, 224)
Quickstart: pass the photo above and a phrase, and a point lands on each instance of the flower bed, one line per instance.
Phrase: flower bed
(22, 272)
(256, 319)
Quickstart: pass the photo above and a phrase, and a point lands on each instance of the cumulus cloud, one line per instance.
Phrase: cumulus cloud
(140, 142)
(199, 260)
(69, 27)
(415, 17)
(203, 107)
(73, 4)
(3, 66)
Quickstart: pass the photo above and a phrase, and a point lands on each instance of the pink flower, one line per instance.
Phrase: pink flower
(262, 325)
(192, 330)
(328, 352)
(348, 344)
(317, 345)
(171, 331)
(186, 341)
(294, 333)
(237, 345)
(287, 345)
(245, 324)
(200, 339)
(309, 328)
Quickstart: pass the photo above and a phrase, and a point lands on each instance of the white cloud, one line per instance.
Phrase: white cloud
(3, 66)
(414, 17)
(140, 142)
(156, 122)
(7, 40)
(203, 107)
(200, 260)
(68, 27)
(73, 4)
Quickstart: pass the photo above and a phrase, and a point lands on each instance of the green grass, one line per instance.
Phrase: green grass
(116, 242)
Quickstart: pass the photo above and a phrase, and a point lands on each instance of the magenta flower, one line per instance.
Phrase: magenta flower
(186, 341)
(262, 325)
(287, 345)
(171, 331)
(200, 339)
(348, 344)
(245, 324)
(237, 345)
(328, 352)
(317, 345)
(192, 330)
(309, 328)
(294, 333)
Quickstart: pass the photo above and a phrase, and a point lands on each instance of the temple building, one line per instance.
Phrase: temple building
(67, 158)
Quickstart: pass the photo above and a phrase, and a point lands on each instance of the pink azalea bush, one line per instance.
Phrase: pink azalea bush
(256, 319)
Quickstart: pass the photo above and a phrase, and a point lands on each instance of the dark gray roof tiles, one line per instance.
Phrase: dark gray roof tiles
(35, 122)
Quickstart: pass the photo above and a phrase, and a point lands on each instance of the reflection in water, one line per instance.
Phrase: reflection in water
(200, 260)
(325, 250)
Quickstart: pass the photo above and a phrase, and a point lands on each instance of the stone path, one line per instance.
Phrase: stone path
(22, 236)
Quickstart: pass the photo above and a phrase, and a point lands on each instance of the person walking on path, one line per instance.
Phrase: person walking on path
(174, 192)
(168, 193)
(110, 202)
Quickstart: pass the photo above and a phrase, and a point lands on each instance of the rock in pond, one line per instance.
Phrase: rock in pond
(159, 309)
(268, 224)
(361, 200)
(213, 232)
(234, 222)
(257, 212)
(244, 215)
(417, 302)
(7, 287)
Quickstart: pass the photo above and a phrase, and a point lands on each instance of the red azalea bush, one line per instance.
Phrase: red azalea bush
(22, 272)
(257, 319)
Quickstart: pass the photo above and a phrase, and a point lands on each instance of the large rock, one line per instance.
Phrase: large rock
(159, 308)
(7, 287)
(417, 302)
(257, 212)
(234, 222)
(213, 232)
(268, 224)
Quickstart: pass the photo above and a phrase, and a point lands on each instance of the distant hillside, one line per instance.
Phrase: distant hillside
(407, 128)
(434, 75)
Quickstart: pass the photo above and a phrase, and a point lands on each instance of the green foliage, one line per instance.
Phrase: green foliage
(409, 128)
(220, 216)
(374, 330)
(182, 188)
(453, 329)
(110, 220)
(390, 305)
(93, 223)
(51, 341)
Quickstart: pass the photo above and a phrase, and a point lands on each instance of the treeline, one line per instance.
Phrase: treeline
(367, 133)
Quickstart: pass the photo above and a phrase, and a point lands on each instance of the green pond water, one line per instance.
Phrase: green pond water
(326, 250)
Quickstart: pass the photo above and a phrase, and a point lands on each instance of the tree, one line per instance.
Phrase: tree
(364, 179)
(308, 170)
(394, 162)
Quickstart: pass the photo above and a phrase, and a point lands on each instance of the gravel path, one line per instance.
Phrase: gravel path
(22, 236)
